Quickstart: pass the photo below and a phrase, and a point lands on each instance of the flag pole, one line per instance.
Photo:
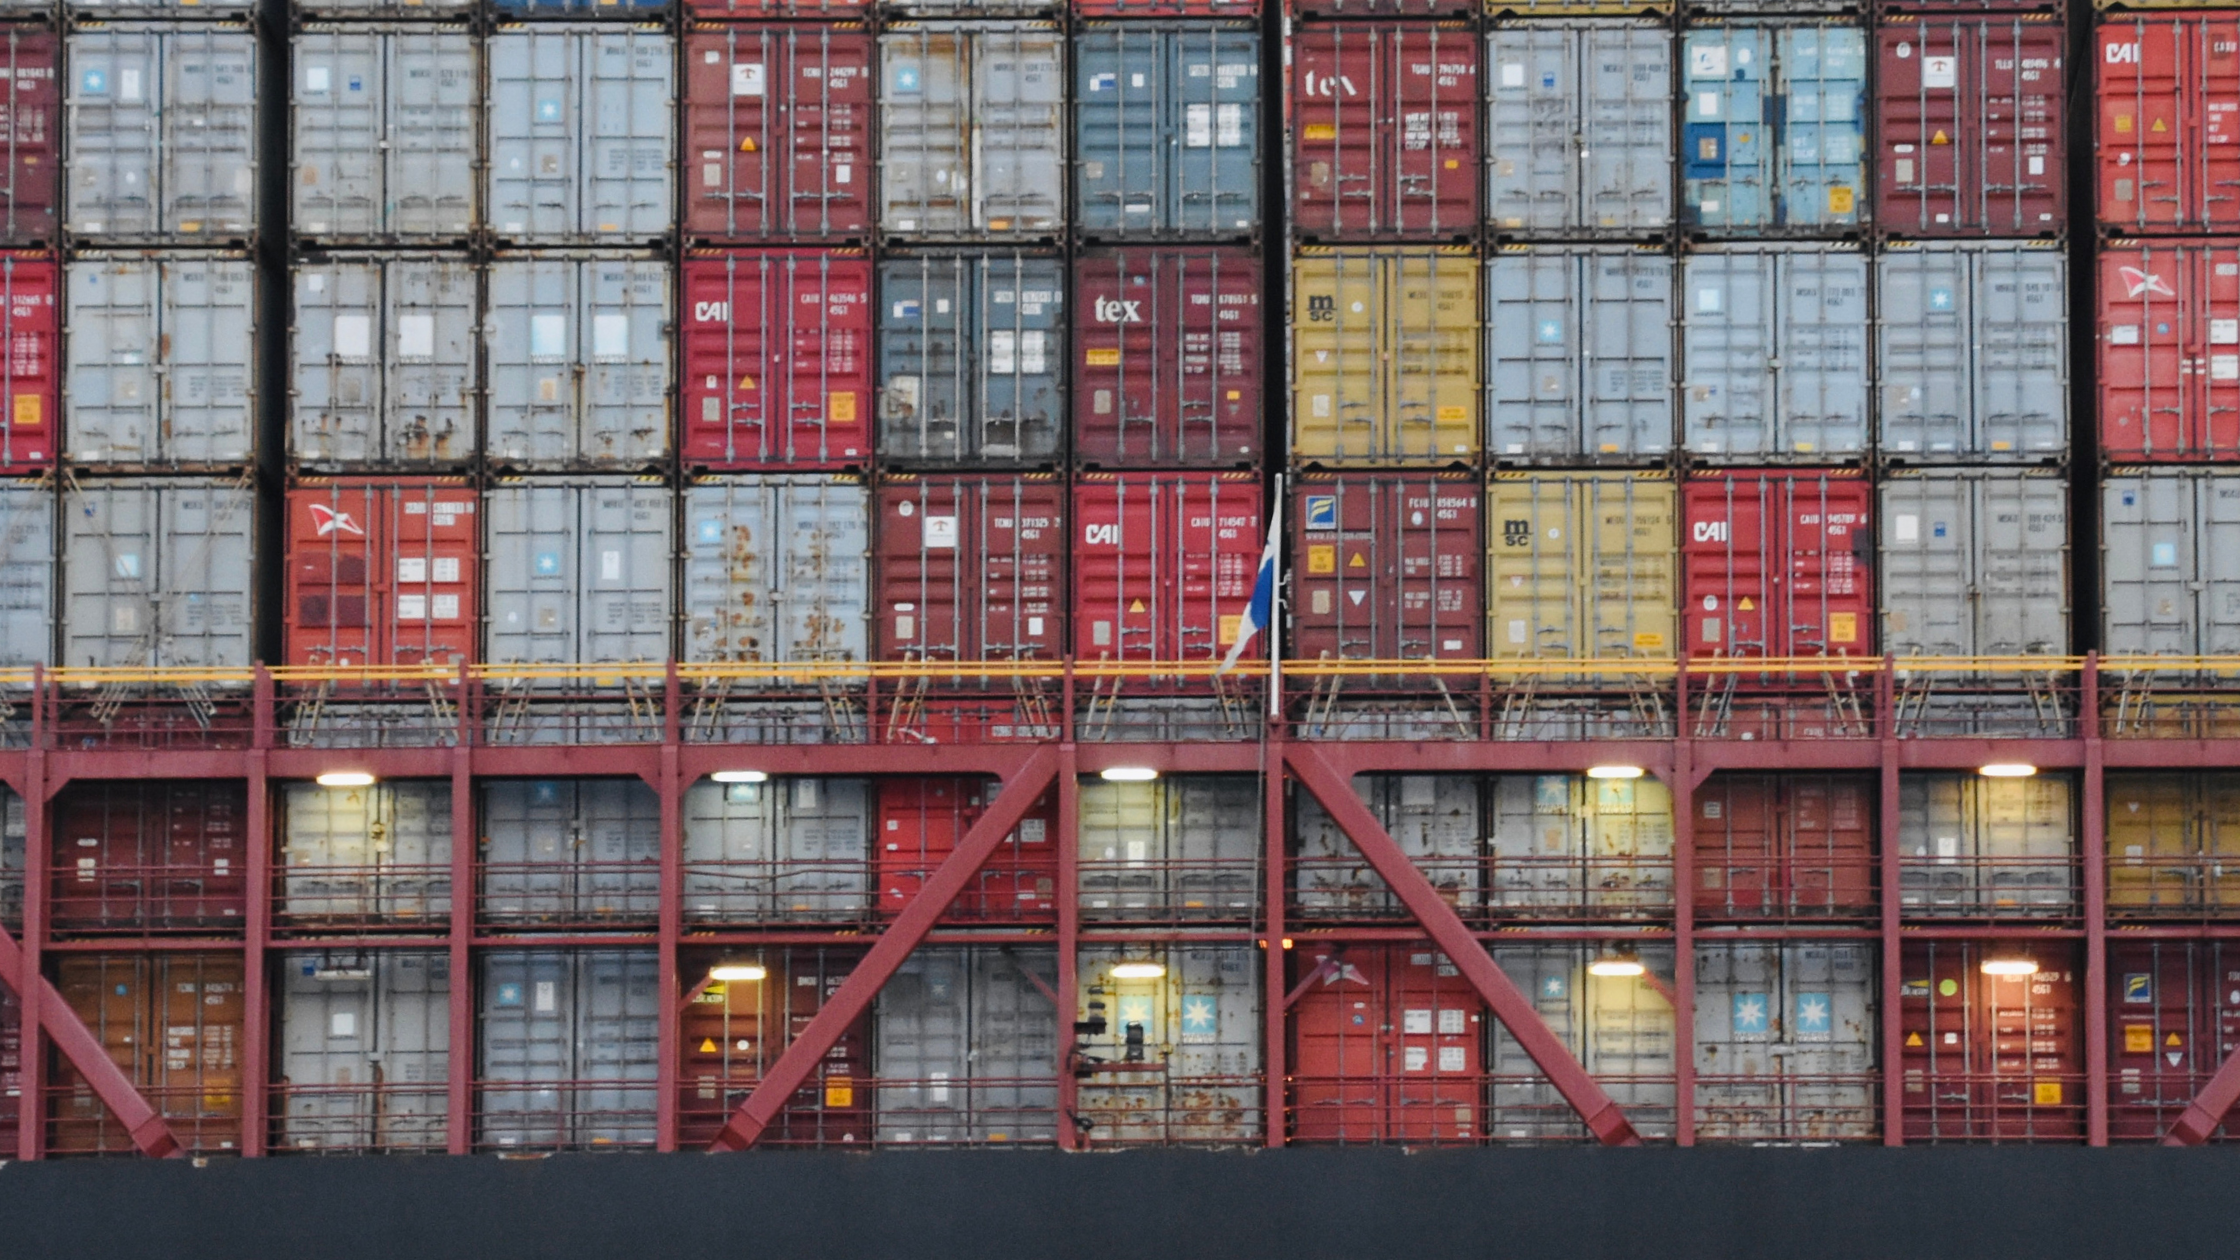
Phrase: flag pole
(1274, 631)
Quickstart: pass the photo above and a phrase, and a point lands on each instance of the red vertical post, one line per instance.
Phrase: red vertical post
(256, 989)
(1069, 925)
(1274, 1047)
(670, 927)
(2093, 843)
(1886, 827)
(1683, 787)
(459, 1087)
(31, 1100)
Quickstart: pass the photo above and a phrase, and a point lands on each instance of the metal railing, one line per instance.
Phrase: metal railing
(1785, 1107)
(1941, 1106)
(1565, 886)
(1989, 887)
(368, 1119)
(564, 1115)
(395, 895)
(2173, 885)
(1462, 1109)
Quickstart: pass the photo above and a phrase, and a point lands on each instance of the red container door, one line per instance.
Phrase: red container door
(1776, 565)
(921, 822)
(1163, 567)
(1167, 347)
(32, 385)
(2169, 127)
(1829, 833)
(777, 366)
(777, 132)
(335, 581)
(1989, 1056)
(435, 543)
(1337, 1049)
(1387, 1047)
(1830, 605)
(732, 1033)
(151, 855)
(2149, 295)
(1387, 568)
(1736, 864)
(2166, 1021)
(1971, 127)
(31, 94)
(1384, 120)
(382, 573)
(1438, 1025)
(781, 10)
(971, 569)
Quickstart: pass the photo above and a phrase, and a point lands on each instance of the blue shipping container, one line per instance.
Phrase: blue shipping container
(1165, 132)
(972, 354)
(1779, 140)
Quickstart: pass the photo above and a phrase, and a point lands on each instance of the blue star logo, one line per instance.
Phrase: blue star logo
(1815, 1014)
(1552, 988)
(1940, 299)
(1197, 1015)
(1749, 1013)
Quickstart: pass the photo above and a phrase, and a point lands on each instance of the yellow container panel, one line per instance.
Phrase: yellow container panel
(1337, 375)
(2150, 835)
(1385, 357)
(1581, 564)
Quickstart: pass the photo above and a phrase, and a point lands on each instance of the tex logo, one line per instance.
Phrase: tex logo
(328, 521)
(2138, 282)
(1322, 511)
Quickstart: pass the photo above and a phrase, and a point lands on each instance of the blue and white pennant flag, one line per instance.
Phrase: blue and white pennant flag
(1261, 610)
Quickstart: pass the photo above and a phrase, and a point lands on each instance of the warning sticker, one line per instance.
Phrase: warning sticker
(1322, 558)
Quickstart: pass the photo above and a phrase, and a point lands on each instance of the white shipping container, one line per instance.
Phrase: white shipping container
(965, 1048)
(1181, 847)
(570, 851)
(157, 574)
(1619, 1027)
(161, 354)
(783, 851)
(383, 361)
(777, 568)
(972, 130)
(372, 854)
(1973, 847)
(578, 357)
(27, 556)
(1200, 1021)
(577, 570)
(365, 1050)
(581, 133)
(1566, 844)
(161, 125)
(1433, 817)
(1784, 1041)
(384, 134)
(570, 1049)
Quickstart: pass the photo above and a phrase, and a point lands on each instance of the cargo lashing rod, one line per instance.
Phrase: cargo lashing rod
(85, 1052)
(1509, 1004)
(853, 997)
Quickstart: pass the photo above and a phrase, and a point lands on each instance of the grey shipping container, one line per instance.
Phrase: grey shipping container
(2164, 590)
(1166, 129)
(377, 854)
(570, 851)
(26, 573)
(581, 133)
(1581, 134)
(11, 859)
(972, 354)
(162, 359)
(964, 1047)
(1200, 1022)
(578, 361)
(365, 1050)
(972, 130)
(415, 10)
(1785, 1042)
(384, 132)
(1972, 351)
(1182, 847)
(162, 128)
(1977, 847)
(578, 569)
(569, 1048)
(383, 361)
(1619, 1027)
(1774, 352)
(1974, 562)
(1435, 818)
(783, 851)
(1564, 844)
(777, 568)
(1579, 354)
(158, 573)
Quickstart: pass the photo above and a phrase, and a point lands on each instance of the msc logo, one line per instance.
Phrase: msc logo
(1101, 535)
(1115, 311)
(1322, 306)
(711, 312)
(1711, 531)
(1322, 511)
(1516, 533)
(2122, 54)
(1324, 85)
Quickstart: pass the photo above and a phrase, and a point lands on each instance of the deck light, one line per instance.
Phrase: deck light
(2008, 770)
(1618, 960)
(345, 779)
(1614, 772)
(740, 776)
(1138, 970)
(1128, 774)
(727, 973)
(2009, 965)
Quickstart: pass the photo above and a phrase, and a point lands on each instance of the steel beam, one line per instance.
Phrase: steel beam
(2208, 1108)
(1603, 1117)
(879, 964)
(85, 1053)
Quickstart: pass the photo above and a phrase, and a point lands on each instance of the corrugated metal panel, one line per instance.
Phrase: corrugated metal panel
(570, 851)
(27, 563)
(1785, 1042)
(415, 9)
(1562, 845)
(1167, 354)
(578, 356)
(1774, 133)
(157, 573)
(777, 132)
(384, 361)
(1582, 564)
(1163, 566)
(2173, 843)
(579, 570)
(2169, 580)
(2174, 1016)
(1578, 358)
(921, 822)
(1990, 1057)
(563, 8)
(581, 133)
(568, 1046)
(2165, 138)
(1774, 352)
(379, 853)
(1387, 1045)
(966, 1048)
(1778, 564)
(777, 359)
(734, 1031)
(1388, 8)
(1620, 1027)
(971, 569)
(31, 133)
(162, 359)
(1168, 8)
(364, 1050)
(1199, 1022)
(1580, 134)
(1387, 568)
(777, 569)
(1183, 847)
(1969, 117)
(30, 375)
(403, 94)
(1975, 563)
(757, 10)
(1789, 846)
(383, 573)
(1384, 130)
(162, 132)
(174, 1023)
(972, 130)
(1166, 129)
(11, 881)
(1977, 847)
(784, 851)
(971, 359)
(150, 854)
(1972, 353)
(11, 1065)
(1384, 357)
(2167, 310)
(1434, 818)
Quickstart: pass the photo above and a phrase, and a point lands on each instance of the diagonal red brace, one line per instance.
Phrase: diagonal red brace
(2208, 1108)
(1509, 1004)
(85, 1053)
(853, 997)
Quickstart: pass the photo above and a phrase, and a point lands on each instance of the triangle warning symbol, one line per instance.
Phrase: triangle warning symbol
(707, 1045)
(1357, 562)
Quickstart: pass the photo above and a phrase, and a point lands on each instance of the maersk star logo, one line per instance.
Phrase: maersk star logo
(1552, 988)
(1749, 1013)
(1814, 1013)
(328, 521)
(1197, 1016)
(2145, 282)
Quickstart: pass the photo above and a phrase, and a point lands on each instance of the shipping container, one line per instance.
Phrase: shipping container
(1387, 1045)
(1785, 1043)
(972, 130)
(581, 134)
(149, 855)
(776, 356)
(1774, 342)
(731, 1032)
(1183, 848)
(2166, 130)
(1778, 564)
(578, 571)
(1969, 120)
(29, 380)
(971, 569)
(157, 573)
(1974, 563)
(1785, 846)
(1620, 1028)
(776, 10)
(1991, 1053)
(1580, 128)
(416, 10)
(1384, 127)
(2173, 844)
(1181, 1049)
(372, 855)
(577, 351)
(12, 837)
(1166, 8)
(1167, 134)
(971, 359)
(1976, 847)
(1163, 566)
(1582, 564)
(161, 365)
(921, 822)
(1437, 821)
(365, 1050)
(787, 850)
(1579, 354)
(1382, 8)
(406, 96)
(11, 1067)
(2169, 378)
(584, 851)
(1387, 567)
(383, 572)
(2174, 1018)
(162, 131)
(1972, 359)
(31, 167)
(1167, 358)
(383, 360)
(27, 564)
(568, 1046)
(1384, 363)
(1774, 134)
(965, 1046)
(2163, 590)
(777, 569)
(1565, 846)
(173, 1022)
(777, 132)
(647, 10)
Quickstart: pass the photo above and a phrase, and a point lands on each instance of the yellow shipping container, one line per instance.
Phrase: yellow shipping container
(1574, 8)
(1582, 564)
(1385, 357)
(2173, 842)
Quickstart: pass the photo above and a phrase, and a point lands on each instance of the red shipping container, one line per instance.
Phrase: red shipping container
(777, 126)
(383, 572)
(11, 1068)
(1990, 1057)
(2173, 1016)
(1778, 564)
(2169, 342)
(31, 128)
(1386, 567)
(971, 568)
(1381, 8)
(150, 855)
(1971, 127)
(920, 824)
(1798, 846)
(1163, 566)
(1167, 351)
(776, 10)
(31, 372)
(1387, 1045)
(1167, 8)
(777, 359)
(2169, 130)
(174, 1022)
(1384, 124)
(731, 1033)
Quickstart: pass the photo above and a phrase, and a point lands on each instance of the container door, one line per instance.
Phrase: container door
(1121, 81)
(1626, 128)
(1533, 353)
(1730, 338)
(1019, 127)
(2019, 309)
(1533, 158)
(1726, 159)
(926, 128)
(1213, 96)
(1631, 525)
(115, 317)
(1929, 548)
(1822, 355)
(1823, 98)
(2022, 573)
(209, 124)
(2150, 300)
(2148, 525)
(1928, 408)
(341, 114)
(2155, 833)
(1430, 352)
(929, 329)
(1337, 335)
(429, 310)
(1020, 382)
